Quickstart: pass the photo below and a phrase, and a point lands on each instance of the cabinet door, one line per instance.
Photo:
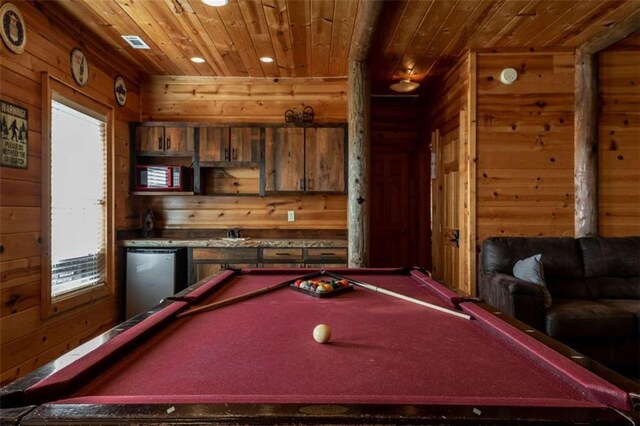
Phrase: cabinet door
(245, 144)
(178, 139)
(150, 139)
(284, 150)
(214, 144)
(325, 159)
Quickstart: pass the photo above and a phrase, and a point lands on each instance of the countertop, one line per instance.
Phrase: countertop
(232, 242)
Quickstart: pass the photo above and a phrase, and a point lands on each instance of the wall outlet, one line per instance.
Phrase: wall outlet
(291, 216)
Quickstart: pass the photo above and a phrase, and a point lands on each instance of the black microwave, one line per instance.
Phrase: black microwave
(162, 178)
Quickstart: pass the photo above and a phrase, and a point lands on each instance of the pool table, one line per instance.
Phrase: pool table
(254, 360)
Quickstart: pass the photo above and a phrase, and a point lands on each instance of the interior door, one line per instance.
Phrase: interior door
(390, 213)
(450, 148)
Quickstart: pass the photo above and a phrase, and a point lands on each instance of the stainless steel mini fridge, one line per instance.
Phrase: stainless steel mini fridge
(152, 275)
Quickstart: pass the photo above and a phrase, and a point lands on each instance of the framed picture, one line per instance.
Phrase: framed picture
(120, 90)
(13, 31)
(14, 132)
(79, 67)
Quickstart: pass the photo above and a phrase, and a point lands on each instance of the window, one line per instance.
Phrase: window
(77, 261)
(78, 199)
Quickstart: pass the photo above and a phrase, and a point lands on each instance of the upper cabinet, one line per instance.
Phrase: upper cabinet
(165, 140)
(230, 145)
(243, 159)
(310, 159)
(324, 159)
(284, 152)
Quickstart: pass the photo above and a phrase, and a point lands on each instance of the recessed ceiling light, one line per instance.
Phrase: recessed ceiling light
(197, 60)
(215, 3)
(266, 59)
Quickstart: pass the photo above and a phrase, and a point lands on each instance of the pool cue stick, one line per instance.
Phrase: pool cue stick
(245, 296)
(402, 296)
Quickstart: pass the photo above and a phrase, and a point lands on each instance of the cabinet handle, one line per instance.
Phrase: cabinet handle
(168, 142)
(160, 143)
(234, 155)
(282, 254)
(226, 154)
(302, 184)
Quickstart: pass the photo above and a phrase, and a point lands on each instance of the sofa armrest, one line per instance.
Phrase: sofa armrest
(520, 299)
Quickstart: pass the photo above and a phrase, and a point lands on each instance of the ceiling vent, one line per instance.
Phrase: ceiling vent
(135, 42)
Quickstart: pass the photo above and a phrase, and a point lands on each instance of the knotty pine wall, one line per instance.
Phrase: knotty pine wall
(619, 158)
(243, 100)
(525, 145)
(26, 340)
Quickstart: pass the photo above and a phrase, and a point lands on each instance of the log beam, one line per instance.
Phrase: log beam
(586, 145)
(359, 106)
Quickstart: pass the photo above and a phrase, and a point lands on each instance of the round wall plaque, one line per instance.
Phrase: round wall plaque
(120, 90)
(14, 31)
(79, 67)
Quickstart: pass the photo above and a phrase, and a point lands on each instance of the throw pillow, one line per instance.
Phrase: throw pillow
(531, 269)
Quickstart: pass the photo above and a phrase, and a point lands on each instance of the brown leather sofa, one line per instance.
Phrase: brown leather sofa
(595, 286)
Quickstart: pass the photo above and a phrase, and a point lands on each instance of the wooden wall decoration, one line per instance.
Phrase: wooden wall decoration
(26, 340)
(619, 138)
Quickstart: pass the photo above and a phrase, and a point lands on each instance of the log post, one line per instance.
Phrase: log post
(586, 144)
(359, 145)
(586, 122)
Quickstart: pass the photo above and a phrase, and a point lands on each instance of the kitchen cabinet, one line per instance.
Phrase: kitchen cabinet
(230, 145)
(305, 159)
(207, 261)
(165, 140)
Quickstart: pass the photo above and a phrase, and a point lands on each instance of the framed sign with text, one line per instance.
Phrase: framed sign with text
(14, 130)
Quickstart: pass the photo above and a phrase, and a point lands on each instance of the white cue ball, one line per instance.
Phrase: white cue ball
(322, 333)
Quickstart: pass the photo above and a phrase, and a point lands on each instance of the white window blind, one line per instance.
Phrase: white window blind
(78, 199)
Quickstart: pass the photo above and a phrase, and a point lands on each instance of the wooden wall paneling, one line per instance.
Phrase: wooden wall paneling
(21, 211)
(234, 181)
(322, 212)
(524, 145)
(619, 138)
(242, 100)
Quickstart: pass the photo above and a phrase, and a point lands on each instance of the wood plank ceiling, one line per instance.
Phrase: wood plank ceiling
(311, 38)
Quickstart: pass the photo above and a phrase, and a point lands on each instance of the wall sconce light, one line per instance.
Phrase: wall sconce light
(404, 86)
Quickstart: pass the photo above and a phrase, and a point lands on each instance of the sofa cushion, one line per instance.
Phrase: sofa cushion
(531, 269)
(560, 255)
(632, 306)
(614, 287)
(586, 318)
(567, 288)
(610, 256)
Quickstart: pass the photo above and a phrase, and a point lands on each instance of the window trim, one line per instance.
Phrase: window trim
(53, 88)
